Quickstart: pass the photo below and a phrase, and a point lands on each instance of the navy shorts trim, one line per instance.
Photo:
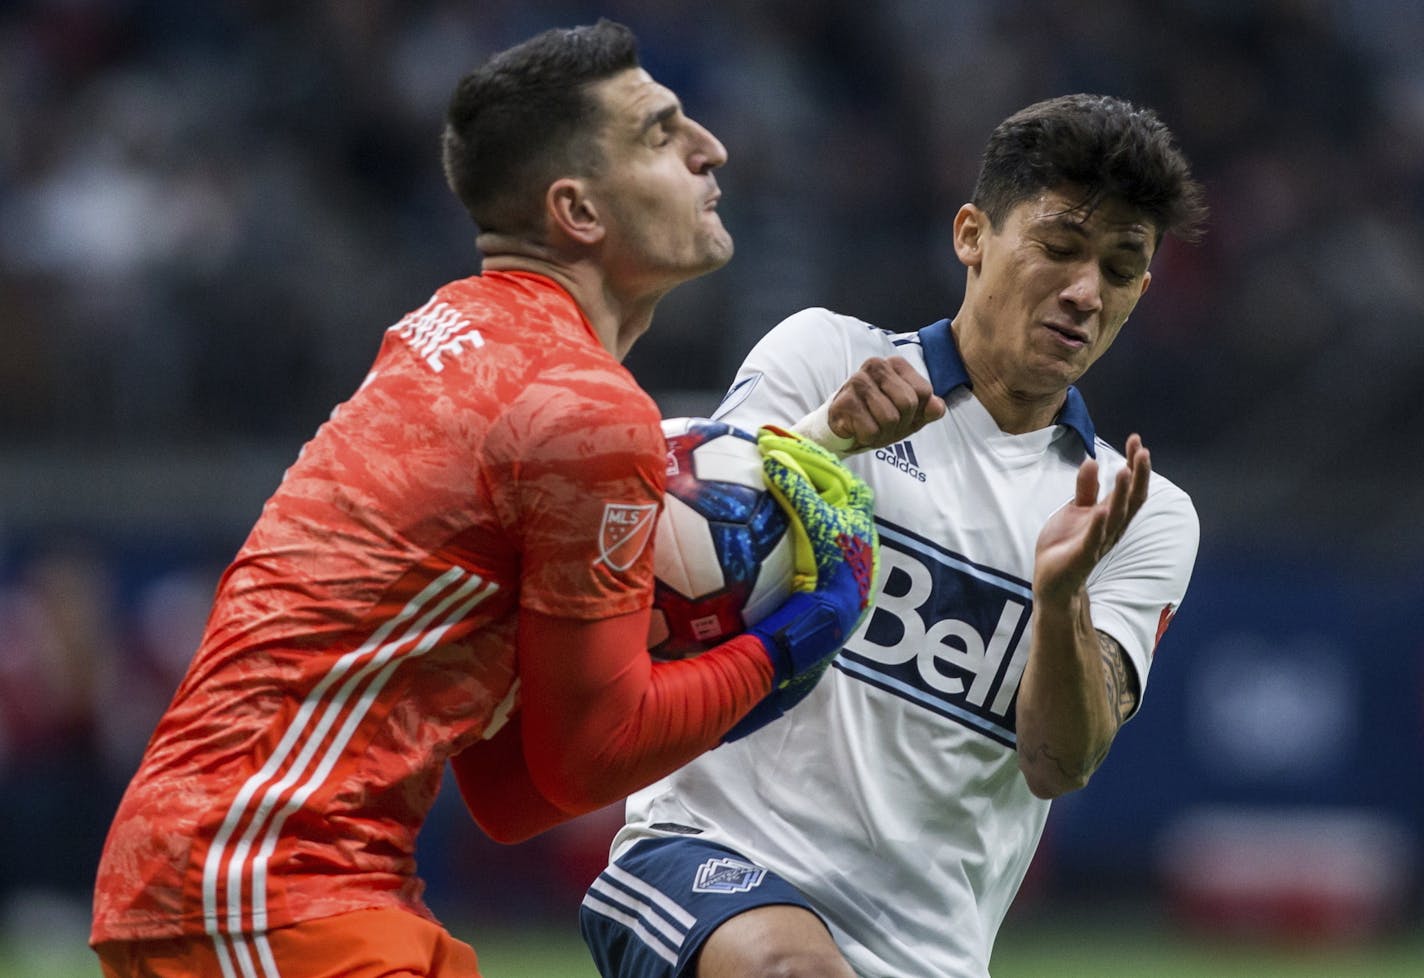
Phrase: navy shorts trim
(649, 913)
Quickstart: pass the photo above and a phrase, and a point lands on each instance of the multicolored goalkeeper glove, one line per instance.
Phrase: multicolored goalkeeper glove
(837, 557)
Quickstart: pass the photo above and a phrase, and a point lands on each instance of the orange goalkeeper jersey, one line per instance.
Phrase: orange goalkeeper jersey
(496, 456)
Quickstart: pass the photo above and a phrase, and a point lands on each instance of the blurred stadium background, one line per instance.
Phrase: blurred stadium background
(210, 211)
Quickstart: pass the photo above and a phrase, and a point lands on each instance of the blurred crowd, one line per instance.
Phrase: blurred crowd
(89, 657)
(209, 212)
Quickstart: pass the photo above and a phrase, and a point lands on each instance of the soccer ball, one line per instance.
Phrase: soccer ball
(722, 556)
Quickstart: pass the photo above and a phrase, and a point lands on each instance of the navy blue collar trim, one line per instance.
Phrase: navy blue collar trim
(947, 372)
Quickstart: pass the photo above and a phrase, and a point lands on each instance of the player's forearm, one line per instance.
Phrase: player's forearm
(500, 794)
(601, 720)
(1065, 720)
(686, 710)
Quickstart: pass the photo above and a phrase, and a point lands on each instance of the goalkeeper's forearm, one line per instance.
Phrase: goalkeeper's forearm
(602, 720)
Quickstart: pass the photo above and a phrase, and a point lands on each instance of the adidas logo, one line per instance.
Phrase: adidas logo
(902, 456)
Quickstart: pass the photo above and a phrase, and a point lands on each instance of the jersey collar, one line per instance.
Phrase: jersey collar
(947, 372)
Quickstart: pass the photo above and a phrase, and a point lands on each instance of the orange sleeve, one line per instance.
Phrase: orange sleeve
(601, 719)
(494, 782)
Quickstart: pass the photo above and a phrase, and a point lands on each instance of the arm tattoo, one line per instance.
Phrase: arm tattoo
(1120, 682)
(1119, 677)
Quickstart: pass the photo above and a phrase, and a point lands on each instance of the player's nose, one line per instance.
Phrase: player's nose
(1085, 289)
(708, 153)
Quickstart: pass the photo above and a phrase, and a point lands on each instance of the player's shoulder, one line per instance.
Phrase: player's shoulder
(820, 325)
(475, 325)
(1164, 496)
(508, 310)
(514, 347)
(588, 396)
(516, 294)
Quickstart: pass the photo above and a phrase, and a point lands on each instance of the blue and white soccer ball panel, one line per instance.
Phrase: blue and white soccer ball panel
(732, 458)
(685, 554)
(721, 553)
(773, 582)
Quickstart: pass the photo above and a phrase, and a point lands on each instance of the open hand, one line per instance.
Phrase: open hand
(1079, 534)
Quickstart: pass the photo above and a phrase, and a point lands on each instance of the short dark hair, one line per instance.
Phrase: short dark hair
(1106, 146)
(525, 117)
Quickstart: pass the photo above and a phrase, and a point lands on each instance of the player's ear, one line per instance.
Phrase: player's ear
(571, 212)
(1146, 281)
(970, 226)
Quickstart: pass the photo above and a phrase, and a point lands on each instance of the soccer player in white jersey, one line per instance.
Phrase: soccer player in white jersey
(1028, 572)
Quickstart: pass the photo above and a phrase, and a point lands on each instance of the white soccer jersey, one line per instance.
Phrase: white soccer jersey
(892, 797)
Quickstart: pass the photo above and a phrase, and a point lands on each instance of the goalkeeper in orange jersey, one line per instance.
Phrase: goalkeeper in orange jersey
(437, 577)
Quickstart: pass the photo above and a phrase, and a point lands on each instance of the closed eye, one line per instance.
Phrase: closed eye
(660, 126)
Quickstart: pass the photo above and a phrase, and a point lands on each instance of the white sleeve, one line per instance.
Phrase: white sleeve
(791, 371)
(1140, 584)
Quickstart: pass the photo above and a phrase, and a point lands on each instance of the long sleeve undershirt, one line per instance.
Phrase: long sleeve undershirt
(600, 719)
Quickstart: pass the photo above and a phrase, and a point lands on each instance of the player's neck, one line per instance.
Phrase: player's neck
(618, 318)
(1014, 408)
(1014, 412)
